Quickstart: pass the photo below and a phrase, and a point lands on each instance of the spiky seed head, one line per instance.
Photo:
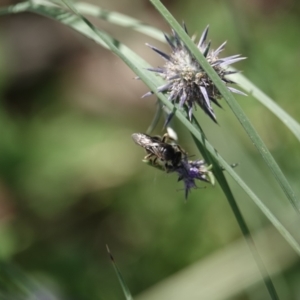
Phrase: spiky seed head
(189, 171)
(187, 83)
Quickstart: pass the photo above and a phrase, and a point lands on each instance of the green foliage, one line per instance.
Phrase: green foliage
(67, 170)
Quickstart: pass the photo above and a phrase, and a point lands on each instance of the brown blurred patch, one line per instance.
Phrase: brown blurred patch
(38, 49)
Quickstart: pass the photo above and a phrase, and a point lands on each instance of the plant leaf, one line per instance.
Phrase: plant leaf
(124, 286)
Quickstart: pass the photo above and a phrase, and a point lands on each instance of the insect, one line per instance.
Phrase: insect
(165, 155)
(161, 152)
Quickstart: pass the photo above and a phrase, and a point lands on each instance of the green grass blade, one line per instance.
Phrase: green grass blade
(119, 19)
(125, 288)
(219, 174)
(137, 25)
(213, 152)
(221, 178)
(138, 66)
(255, 138)
(283, 116)
(156, 118)
(14, 9)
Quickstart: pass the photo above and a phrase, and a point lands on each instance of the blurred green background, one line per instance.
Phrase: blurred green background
(72, 180)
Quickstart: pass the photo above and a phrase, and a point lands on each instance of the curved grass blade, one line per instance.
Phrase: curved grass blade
(156, 118)
(125, 288)
(138, 65)
(283, 116)
(219, 175)
(137, 25)
(17, 8)
(92, 27)
(255, 138)
(125, 21)
(119, 19)
(214, 153)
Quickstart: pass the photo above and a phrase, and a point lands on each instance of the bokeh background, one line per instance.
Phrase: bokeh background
(72, 180)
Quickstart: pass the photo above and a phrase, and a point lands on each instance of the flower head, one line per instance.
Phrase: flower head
(190, 170)
(187, 83)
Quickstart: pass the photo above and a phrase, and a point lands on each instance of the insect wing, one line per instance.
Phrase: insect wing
(142, 139)
(151, 144)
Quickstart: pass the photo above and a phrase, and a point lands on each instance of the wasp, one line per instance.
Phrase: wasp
(162, 153)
